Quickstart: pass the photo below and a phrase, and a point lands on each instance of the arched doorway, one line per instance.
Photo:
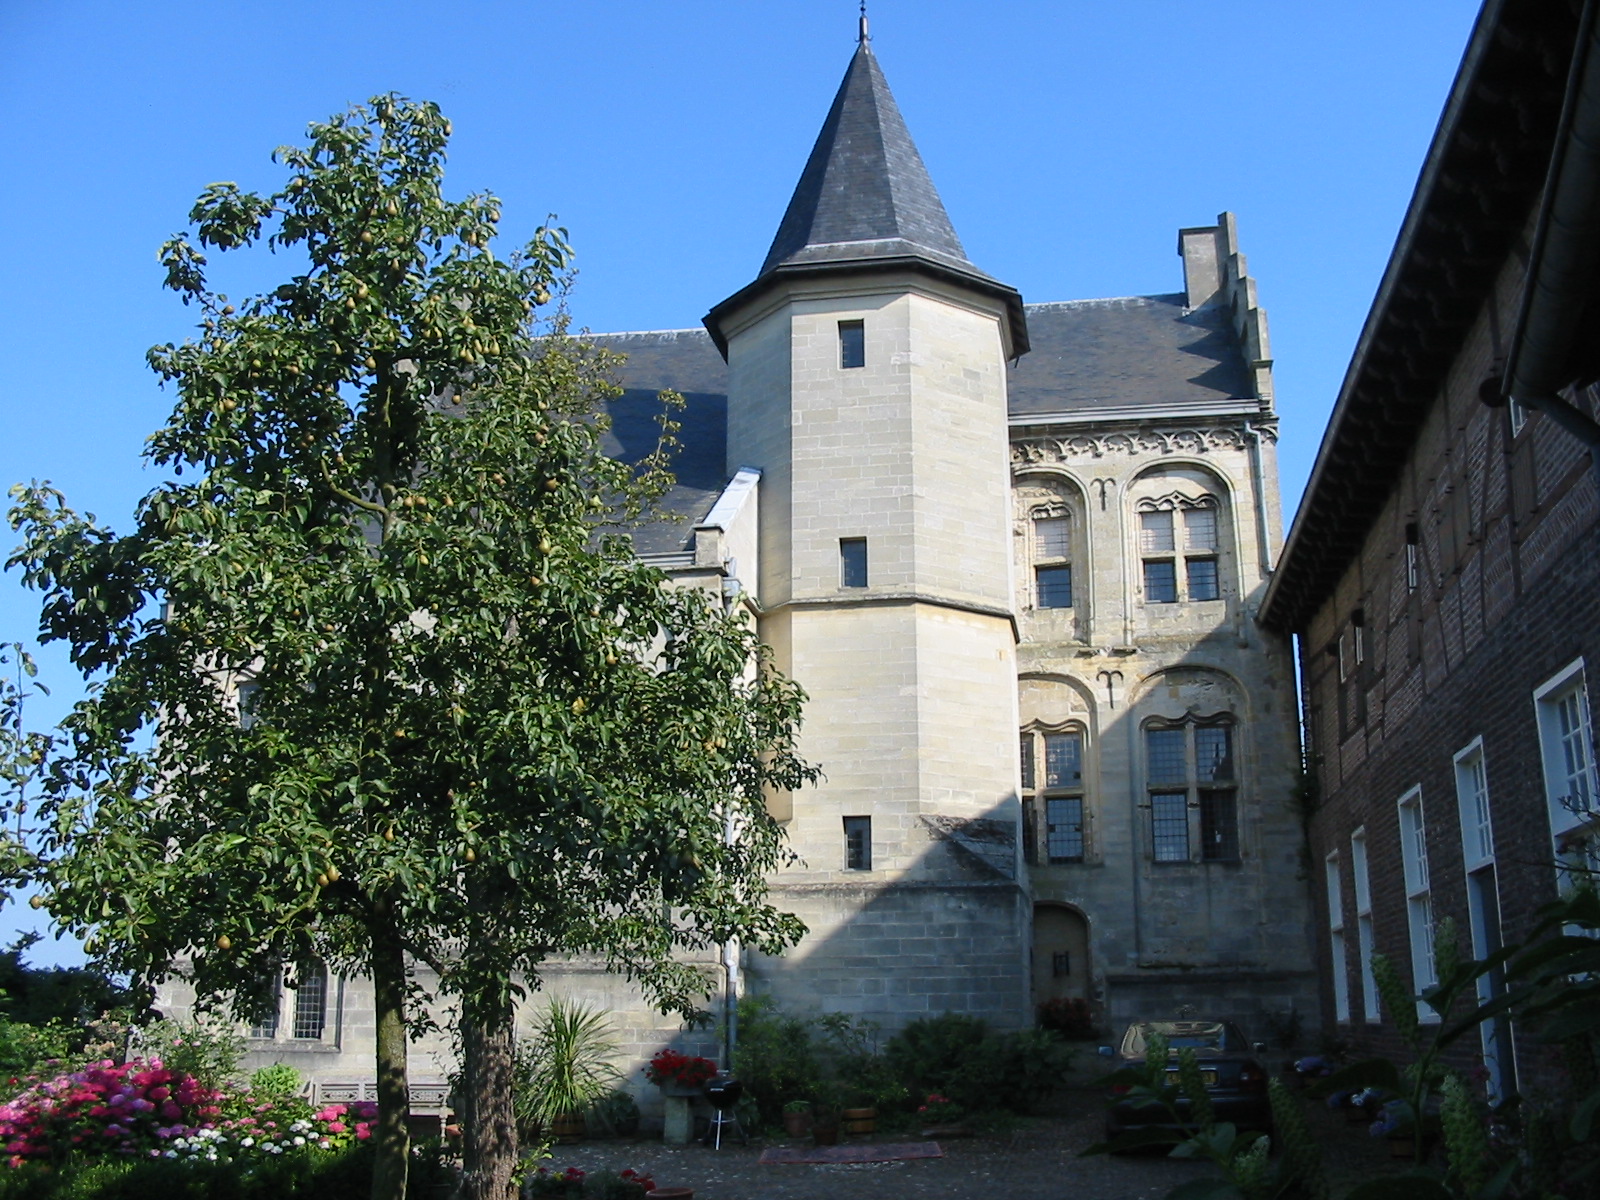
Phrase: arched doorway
(1060, 954)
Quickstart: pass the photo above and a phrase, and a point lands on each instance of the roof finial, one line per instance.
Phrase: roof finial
(863, 37)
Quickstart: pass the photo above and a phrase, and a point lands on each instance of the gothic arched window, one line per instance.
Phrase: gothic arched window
(1053, 794)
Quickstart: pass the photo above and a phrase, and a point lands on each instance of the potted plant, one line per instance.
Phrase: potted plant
(797, 1118)
(568, 1069)
(679, 1074)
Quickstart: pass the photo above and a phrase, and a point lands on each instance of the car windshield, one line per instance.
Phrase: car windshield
(1199, 1035)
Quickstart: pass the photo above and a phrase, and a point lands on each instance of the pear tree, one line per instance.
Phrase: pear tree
(374, 677)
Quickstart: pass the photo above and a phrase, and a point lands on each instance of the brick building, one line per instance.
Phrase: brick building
(1443, 573)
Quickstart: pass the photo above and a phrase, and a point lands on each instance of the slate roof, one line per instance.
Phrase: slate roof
(1087, 355)
(864, 191)
(685, 361)
(865, 203)
(1131, 351)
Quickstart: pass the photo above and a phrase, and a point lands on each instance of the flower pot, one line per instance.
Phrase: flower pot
(568, 1128)
(825, 1129)
(671, 1193)
(859, 1121)
(681, 1091)
(797, 1124)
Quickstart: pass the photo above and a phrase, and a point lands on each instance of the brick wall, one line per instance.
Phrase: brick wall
(1507, 593)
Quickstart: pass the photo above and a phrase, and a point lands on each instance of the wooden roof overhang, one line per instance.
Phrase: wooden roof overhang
(1479, 184)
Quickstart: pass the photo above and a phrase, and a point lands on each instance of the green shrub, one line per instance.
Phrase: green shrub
(944, 1055)
(343, 1176)
(959, 1056)
(209, 1050)
(276, 1081)
(776, 1058)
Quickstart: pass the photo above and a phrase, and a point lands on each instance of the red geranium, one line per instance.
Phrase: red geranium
(686, 1070)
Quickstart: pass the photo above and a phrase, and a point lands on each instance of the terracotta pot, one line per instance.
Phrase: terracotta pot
(860, 1121)
(797, 1124)
(672, 1193)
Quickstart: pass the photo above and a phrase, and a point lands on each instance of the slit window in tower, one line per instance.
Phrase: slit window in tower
(858, 843)
(852, 344)
(853, 562)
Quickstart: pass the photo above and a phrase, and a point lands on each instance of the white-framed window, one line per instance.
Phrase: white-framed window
(1363, 884)
(1566, 748)
(1057, 794)
(301, 992)
(1419, 897)
(1337, 971)
(1191, 768)
(1483, 911)
(1413, 562)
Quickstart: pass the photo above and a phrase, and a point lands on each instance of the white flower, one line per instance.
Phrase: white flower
(299, 1141)
(170, 1154)
(248, 1142)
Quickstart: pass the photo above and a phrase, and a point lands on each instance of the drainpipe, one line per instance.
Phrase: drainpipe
(1263, 545)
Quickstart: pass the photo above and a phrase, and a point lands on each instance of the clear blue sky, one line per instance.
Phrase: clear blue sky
(1070, 140)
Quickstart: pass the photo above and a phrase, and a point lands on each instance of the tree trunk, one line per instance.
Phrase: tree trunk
(391, 1139)
(488, 1125)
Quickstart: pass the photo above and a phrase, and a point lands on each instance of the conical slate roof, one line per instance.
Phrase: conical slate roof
(864, 192)
(865, 204)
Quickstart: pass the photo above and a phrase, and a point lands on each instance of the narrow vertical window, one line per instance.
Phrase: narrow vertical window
(1412, 573)
(247, 694)
(858, 843)
(310, 1001)
(852, 344)
(1169, 794)
(265, 1024)
(1358, 867)
(853, 562)
(1483, 914)
(1338, 972)
(1566, 746)
(1517, 412)
(1219, 820)
(1063, 805)
(1419, 897)
(1052, 550)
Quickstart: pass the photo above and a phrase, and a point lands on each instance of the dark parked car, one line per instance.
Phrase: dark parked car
(1234, 1080)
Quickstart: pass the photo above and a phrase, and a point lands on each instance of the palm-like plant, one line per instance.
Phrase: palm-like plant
(566, 1066)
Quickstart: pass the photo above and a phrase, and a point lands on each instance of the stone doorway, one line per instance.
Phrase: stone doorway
(1060, 954)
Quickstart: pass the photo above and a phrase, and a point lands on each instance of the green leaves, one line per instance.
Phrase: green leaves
(391, 526)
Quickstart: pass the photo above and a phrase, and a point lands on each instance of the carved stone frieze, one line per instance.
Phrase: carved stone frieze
(1081, 447)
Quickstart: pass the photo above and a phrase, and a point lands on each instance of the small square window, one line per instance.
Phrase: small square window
(852, 344)
(853, 562)
(1161, 582)
(1054, 586)
(858, 843)
(1202, 578)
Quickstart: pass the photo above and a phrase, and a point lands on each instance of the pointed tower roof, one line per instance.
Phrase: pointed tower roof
(865, 202)
(864, 191)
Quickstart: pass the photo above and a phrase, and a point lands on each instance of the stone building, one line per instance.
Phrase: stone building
(958, 520)
(1443, 572)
